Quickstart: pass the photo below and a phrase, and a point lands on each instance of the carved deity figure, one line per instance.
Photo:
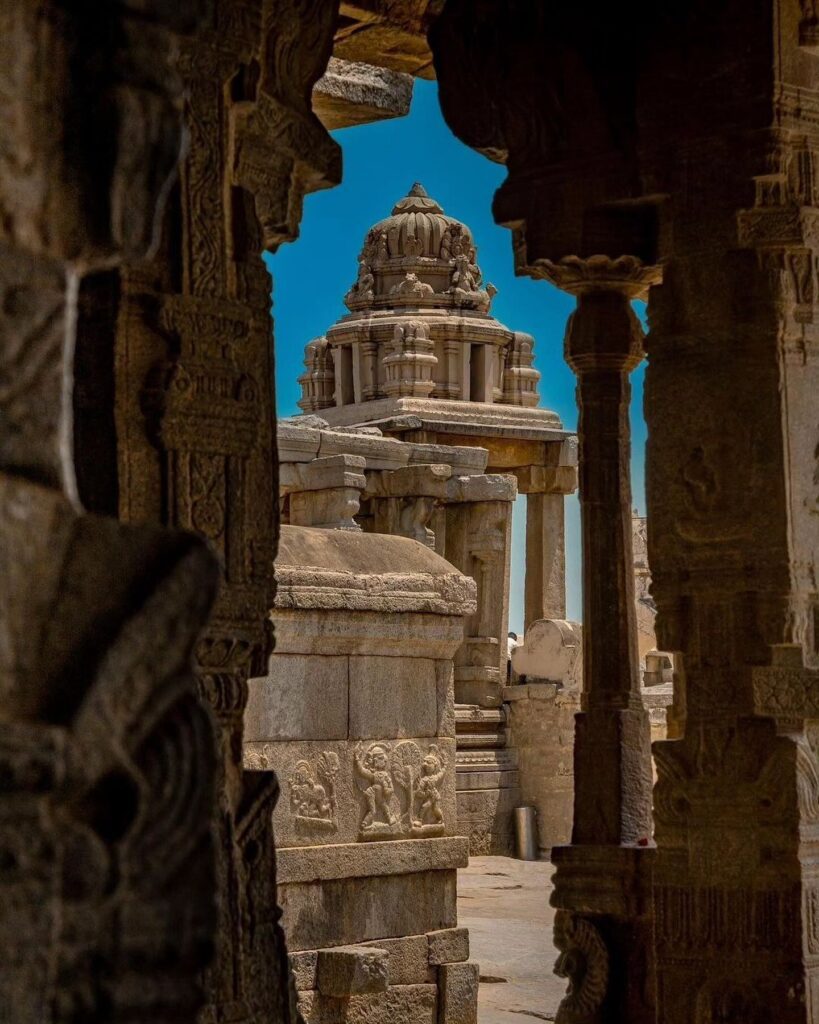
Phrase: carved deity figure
(365, 282)
(373, 768)
(433, 770)
(465, 283)
(308, 799)
(411, 285)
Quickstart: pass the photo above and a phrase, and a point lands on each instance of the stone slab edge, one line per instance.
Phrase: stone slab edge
(358, 860)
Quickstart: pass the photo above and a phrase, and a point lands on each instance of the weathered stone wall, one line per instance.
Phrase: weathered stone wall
(541, 724)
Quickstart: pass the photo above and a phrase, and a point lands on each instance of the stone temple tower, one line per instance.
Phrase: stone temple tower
(419, 328)
(420, 357)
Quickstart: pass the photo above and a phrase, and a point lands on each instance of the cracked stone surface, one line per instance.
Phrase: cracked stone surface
(505, 905)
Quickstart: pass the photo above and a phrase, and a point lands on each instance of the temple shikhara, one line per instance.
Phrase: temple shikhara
(258, 703)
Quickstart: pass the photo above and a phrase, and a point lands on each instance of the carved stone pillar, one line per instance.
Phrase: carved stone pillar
(195, 402)
(106, 907)
(545, 580)
(712, 173)
(478, 537)
(612, 760)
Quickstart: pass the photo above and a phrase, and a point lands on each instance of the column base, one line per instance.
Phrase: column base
(604, 932)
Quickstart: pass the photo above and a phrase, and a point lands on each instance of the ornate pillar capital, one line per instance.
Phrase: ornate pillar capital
(623, 275)
(603, 334)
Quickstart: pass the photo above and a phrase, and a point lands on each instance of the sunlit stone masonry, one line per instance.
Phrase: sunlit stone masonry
(439, 399)
(356, 717)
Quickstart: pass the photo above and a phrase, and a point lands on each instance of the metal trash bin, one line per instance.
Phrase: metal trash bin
(526, 833)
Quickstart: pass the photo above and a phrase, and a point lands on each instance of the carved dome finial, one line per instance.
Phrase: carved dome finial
(417, 200)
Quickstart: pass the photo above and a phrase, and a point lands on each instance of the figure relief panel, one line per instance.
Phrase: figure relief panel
(360, 791)
(313, 793)
(717, 484)
(402, 789)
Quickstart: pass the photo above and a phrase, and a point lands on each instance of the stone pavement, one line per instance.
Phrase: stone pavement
(505, 905)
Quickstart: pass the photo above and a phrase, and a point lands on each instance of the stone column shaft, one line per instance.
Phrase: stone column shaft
(602, 884)
(545, 594)
(603, 344)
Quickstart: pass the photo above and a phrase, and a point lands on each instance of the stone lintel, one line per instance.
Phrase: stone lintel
(378, 452)
(463, 460)
(425, 480)
(324, 472)
(296, 443)
(359, 860)
(487, 487)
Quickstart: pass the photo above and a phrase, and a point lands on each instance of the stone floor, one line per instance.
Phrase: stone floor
(505, 905)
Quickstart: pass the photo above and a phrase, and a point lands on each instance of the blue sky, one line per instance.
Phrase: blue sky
(381, 162)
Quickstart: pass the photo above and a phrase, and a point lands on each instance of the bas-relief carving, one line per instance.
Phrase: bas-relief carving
(790, 693)
(401, 788)
(313, 793)
(583, 960)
